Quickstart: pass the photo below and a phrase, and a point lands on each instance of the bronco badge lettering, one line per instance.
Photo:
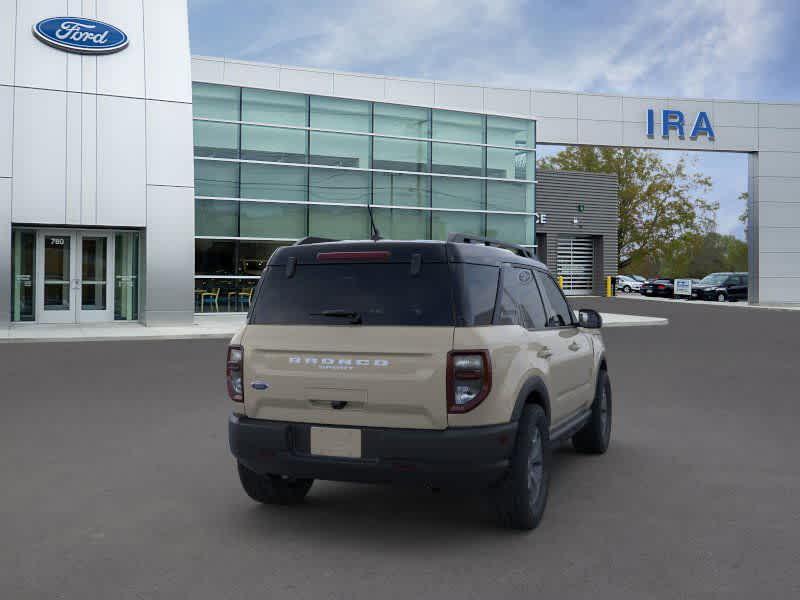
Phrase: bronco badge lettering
(341, 364)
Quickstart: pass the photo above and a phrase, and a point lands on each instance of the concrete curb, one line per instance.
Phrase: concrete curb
(119, 338)
(621, 320)
(739, 305)
(641, 322)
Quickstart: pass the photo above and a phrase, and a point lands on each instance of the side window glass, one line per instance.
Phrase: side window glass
(559, 313)
(530, 299)
(521, 303)
(509, 310)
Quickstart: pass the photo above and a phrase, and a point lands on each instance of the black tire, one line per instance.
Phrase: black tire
(273, 489)
(627, 289)
(595, 436)
(522, 496)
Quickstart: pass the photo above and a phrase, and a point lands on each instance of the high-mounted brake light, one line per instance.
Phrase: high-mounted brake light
(354, 256)
(469, 379)
(234, 373)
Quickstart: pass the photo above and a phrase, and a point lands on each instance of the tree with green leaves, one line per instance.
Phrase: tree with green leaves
(659, 201)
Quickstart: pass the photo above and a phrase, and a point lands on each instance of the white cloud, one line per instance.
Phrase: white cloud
(338, 35)
(687, 47)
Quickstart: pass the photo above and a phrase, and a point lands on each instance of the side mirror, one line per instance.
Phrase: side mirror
(590, 319)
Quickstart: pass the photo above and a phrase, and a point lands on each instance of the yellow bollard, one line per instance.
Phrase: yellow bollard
(608, 287)
(561, 281)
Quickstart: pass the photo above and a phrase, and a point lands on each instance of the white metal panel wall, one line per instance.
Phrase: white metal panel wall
(169, 144)
(99, 140)
(88, 159)
(8, 25)
(74, 159)
(121, 73)
(36, 64)
(121, 162)
(170, 242)
(775, 206)
(6, 129)
(167, 58)
(39, 156)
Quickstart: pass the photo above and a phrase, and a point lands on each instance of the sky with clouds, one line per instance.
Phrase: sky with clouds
(739, 49)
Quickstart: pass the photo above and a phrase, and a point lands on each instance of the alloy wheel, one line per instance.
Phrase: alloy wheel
(603, 405)
(536, 467)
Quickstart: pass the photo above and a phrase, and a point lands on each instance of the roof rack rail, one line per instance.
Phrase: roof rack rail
(467, 238)
(313, 240)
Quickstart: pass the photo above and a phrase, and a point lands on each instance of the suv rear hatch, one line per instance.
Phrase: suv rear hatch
(351, 337)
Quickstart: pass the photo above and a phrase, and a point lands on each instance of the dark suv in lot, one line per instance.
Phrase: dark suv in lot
(663, 288)
(722, 287)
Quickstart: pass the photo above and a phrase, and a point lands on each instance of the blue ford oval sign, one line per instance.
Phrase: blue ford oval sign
(84, 36)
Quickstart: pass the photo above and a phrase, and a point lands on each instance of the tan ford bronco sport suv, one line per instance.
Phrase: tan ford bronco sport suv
(440, 363)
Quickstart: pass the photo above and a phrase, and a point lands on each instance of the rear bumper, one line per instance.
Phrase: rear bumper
(471, 456)
(705, 294)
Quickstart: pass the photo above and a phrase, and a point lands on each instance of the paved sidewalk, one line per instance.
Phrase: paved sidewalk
(737, 304)
(217, 326)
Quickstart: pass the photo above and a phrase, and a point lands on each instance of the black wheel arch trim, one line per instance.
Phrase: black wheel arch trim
(533, 386)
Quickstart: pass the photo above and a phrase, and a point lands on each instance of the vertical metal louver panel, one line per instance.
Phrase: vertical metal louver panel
(576, 264)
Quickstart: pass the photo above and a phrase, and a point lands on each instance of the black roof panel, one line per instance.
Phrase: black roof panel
(432, 251)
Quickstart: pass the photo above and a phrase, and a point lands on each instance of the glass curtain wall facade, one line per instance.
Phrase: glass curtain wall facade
(272, 167)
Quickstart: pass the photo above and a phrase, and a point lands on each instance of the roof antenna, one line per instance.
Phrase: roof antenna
(374, 234)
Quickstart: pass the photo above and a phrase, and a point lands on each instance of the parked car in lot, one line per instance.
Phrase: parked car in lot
(627, 284)
(662, 288)
(442, 363)
(722, 287)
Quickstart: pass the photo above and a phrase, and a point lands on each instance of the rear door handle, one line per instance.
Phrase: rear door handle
(545, 352)
(574, 346)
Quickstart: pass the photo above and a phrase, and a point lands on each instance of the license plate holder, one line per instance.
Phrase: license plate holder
(337, 442)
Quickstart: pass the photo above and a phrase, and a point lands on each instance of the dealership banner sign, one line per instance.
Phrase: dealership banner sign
(83, 36)
(683, 287)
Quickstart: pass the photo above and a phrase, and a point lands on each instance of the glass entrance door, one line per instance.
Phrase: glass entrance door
(74, 272)
(55, 274)
(94, 300)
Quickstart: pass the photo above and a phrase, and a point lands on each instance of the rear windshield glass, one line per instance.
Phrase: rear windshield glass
(365, 294)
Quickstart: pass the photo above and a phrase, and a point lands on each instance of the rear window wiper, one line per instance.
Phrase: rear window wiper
(355, 318)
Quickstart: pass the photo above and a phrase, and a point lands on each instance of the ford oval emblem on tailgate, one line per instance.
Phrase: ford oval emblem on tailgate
(259, 385)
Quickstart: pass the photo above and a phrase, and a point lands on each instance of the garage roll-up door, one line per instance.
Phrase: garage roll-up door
(576, 264)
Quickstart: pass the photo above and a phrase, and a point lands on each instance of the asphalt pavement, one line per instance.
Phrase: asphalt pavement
(117, 483)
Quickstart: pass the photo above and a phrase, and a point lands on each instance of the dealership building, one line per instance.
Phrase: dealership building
(139, 183)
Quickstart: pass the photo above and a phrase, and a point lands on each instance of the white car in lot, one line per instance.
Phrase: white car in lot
(628, 284)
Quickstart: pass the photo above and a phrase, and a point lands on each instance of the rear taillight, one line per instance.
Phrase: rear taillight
(661, 287)
(469, 379)
(234, 373)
